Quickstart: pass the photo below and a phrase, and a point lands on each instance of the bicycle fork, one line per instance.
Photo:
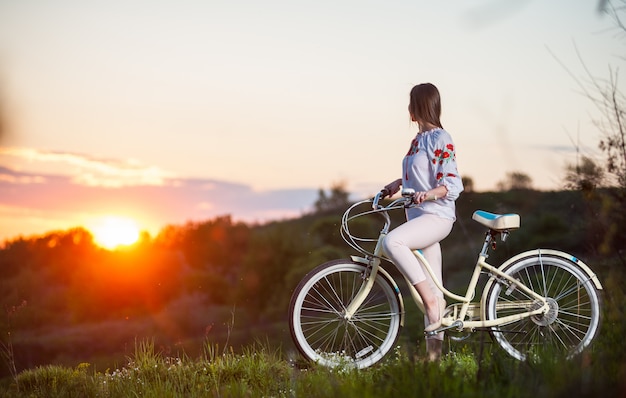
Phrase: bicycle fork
(366, 287)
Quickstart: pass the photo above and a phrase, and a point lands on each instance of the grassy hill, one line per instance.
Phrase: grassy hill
(225, 283)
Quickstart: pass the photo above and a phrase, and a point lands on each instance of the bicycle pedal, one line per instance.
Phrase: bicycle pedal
(455, 325)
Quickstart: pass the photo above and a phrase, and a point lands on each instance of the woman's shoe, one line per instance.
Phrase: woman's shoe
(436, 325)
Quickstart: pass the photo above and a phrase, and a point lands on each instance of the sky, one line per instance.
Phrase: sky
(169, 111)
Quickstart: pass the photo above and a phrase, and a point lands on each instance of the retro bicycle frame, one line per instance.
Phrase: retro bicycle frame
(456, 319)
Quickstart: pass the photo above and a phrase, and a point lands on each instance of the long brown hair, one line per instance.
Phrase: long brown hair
(425, 104)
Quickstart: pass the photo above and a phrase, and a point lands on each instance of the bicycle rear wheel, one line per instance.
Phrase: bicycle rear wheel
(569, 326)
(319, 328)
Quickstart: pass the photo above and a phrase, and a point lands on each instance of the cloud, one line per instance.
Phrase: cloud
(554, 148)
(34, 203)
(94, 171)
(492, 13)
(10, 178)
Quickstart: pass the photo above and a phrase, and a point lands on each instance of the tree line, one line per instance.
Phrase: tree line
(60, 290)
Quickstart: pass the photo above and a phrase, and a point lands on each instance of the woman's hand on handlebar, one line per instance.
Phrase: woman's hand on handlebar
(392, 188)
(433, 194)
(420, 197)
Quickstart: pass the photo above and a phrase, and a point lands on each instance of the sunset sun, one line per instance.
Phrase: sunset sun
(111, 232)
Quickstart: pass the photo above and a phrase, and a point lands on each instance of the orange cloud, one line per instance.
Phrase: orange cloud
(12, 179)
(57, 202)
(93, 171)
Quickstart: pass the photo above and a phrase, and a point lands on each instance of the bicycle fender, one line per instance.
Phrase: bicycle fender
(538, 253)
(381, 270)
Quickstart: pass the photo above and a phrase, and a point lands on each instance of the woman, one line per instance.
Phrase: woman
(430, 169)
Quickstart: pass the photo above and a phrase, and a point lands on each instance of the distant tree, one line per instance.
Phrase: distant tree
(468, 184)
(610, 101)
(585, 175)
(515, 180)
(337, 199)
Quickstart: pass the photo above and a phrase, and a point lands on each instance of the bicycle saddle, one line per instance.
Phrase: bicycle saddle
(497, 222)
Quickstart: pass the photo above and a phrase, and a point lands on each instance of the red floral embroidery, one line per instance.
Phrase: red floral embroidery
(443, 155)
(439, 157)
(413, 149)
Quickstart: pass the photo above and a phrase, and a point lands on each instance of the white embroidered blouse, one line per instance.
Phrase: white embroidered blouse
(431, 162)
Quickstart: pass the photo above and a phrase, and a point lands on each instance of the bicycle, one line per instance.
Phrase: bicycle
(350, 311)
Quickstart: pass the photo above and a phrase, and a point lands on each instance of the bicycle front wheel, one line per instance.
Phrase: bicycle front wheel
(317, 319)
(572, 321)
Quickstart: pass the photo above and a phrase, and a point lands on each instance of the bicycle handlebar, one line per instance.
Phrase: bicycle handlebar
(407, 196)
(378, 197)
(405, 201)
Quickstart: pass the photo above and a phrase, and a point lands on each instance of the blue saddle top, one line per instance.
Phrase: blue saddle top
(497, 222)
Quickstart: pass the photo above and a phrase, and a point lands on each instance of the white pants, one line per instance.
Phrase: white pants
(421, 233)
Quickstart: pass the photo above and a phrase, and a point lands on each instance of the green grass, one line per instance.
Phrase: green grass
(472, 368)
(471, 371)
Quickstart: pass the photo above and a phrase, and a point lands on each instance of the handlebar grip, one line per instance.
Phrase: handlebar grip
(385, 192)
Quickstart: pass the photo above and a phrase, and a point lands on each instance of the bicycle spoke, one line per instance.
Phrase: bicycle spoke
(323, 300)
(570, 327)
(529, 279)
(565, 293)
(560, 338)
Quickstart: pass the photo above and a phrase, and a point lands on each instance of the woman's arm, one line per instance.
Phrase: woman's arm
(436, 193)
(445, 168)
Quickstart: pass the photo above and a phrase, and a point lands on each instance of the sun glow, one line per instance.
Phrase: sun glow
(112, 232)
